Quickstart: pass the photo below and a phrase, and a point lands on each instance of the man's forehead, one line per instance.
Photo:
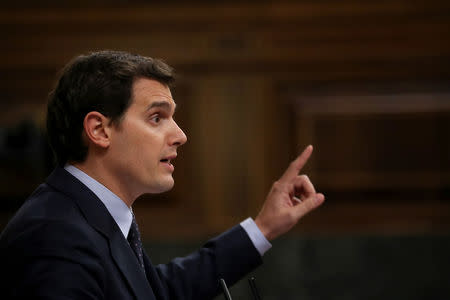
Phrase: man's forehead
(152, 93)
(165, 104)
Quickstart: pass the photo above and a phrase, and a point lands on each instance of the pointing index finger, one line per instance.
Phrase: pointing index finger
(295, 166)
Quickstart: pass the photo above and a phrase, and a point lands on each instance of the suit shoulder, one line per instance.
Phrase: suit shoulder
(47, 216)
(47, 203)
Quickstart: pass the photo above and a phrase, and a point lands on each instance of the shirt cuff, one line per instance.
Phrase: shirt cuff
(258, 239)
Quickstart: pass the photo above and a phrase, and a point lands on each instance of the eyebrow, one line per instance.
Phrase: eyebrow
(161, 104)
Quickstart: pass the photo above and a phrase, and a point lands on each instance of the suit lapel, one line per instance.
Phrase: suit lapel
(153, 278)
(98, 217)
(128, 264)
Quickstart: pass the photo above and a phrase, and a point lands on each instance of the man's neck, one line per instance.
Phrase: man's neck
(103, 176)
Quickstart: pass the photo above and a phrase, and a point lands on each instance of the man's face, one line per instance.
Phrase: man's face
(145, 143)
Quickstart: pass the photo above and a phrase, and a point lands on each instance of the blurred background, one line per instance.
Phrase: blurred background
(365, 82)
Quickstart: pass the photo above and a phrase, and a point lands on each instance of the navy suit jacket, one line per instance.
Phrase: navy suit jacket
(63, 244)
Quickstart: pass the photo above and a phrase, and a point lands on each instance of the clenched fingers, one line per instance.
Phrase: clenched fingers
(303, 187)
(309, 204)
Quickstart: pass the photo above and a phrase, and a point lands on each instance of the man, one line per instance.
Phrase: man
(110, 124)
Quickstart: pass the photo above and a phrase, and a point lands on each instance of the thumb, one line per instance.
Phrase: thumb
(309, 204)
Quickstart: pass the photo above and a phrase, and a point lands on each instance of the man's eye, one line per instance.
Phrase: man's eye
(155, 118)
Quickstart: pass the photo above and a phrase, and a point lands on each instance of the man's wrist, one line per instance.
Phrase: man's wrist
(263, 230)
(256, 236)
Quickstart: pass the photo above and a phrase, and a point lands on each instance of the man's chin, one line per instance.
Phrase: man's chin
(168, 187)
(162, 187)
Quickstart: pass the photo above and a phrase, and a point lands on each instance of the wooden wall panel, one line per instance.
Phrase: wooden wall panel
(243, 68)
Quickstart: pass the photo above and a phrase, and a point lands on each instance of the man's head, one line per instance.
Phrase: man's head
(113, 111)
(102, 82)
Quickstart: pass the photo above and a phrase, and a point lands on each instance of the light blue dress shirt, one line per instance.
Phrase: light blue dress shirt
(123, 215)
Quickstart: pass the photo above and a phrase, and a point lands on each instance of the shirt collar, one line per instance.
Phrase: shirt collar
(120, 212)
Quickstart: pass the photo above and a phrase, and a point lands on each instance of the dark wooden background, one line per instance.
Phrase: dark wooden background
(366, 82)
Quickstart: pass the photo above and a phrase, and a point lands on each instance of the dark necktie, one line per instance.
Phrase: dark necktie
(134, 238)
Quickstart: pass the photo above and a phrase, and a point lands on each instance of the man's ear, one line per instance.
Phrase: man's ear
(96, 129)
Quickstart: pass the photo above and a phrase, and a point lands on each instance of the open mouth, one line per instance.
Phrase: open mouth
(166, 160)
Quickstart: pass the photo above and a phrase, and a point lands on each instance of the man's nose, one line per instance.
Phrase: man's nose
(179, 137)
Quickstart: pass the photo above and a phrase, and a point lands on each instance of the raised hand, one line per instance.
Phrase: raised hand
(290, 198)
